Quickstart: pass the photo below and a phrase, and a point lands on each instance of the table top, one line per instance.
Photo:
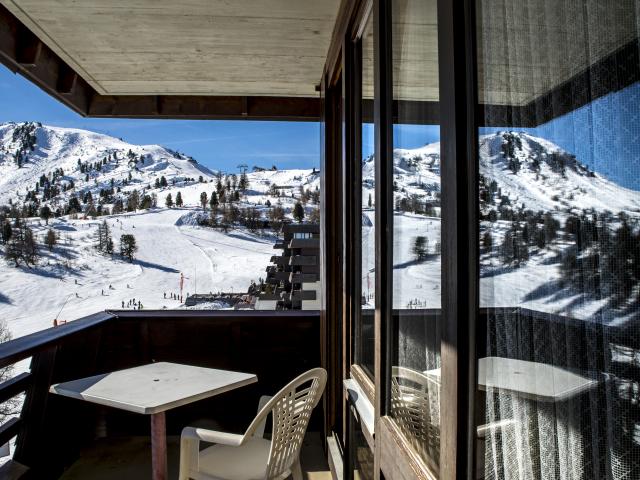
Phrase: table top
(153, 388)
(537, 381)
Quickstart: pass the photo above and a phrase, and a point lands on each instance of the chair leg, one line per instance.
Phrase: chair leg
(296, 470)
(188, 457)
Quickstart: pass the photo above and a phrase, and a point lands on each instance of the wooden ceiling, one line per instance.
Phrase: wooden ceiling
(187, 47)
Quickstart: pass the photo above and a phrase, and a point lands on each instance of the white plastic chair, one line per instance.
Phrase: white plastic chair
(415, 405)
(249, 456)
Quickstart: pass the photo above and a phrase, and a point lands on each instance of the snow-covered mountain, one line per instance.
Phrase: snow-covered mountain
(528, 170)
(30, 150)
(80, 161)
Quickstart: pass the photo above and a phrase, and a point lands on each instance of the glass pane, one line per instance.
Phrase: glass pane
(361, 456)
(367, 230)
(415, 386)
(559, 162)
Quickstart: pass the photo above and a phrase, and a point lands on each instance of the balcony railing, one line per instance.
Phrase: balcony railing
(52, 431)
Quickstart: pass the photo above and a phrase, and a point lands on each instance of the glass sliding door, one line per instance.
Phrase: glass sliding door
(365, 346)
(416, 273)
(559, 200)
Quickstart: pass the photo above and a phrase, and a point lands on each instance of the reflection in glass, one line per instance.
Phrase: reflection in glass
(559, 186)
(361, 456)
(415, 396)
(365, 332)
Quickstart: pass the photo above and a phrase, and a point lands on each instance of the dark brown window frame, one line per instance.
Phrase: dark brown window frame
(458, 137)
(458, 124)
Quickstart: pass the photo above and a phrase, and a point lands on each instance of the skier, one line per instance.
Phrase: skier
(122, 303)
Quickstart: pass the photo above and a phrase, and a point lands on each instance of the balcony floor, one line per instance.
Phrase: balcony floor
(130, 458)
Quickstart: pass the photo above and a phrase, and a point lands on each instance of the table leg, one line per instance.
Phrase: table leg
(159, 446)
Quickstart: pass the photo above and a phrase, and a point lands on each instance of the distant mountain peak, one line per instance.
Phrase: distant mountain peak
(30, 151)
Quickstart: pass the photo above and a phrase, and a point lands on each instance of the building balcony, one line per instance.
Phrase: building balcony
(303, 260)
(280, 260)
(310, 243)
(299, 277)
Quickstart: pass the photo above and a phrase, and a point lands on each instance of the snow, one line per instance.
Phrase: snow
(212, 261)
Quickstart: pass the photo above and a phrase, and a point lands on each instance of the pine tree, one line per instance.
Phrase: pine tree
(487, 240)
(169, 201)
(50, 239)
(244, 182)
(104, 243)
(133, 201)
(73, 206)
(298, 212)
(276, 218)
(118, 206)
(179, 199)
(6, 231)
(213, 202)
(22, 246)
(45, 213)
(420, 248)
(128, 246)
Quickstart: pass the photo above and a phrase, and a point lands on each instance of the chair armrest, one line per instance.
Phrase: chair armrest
(211, 436)
(264, 399)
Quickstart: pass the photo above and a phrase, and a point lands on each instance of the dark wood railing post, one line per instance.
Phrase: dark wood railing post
(30, 450)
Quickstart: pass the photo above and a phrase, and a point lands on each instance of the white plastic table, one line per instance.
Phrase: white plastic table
(533, 380)
(549, 387)
(152, 390)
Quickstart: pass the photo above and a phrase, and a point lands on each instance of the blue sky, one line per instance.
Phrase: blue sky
(216, 144)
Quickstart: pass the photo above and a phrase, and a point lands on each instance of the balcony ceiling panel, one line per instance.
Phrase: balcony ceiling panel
(187, 47)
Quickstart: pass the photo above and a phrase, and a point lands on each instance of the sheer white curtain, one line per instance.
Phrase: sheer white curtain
(558, 83)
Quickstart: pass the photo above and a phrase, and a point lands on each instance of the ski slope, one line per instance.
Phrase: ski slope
(76, 280)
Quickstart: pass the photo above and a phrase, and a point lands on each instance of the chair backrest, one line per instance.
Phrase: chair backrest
(415, 405)
(291, 410)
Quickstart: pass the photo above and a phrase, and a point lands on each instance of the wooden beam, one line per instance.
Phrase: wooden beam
(67, 80)
(205, 107)
(28, 48)
(22, 52)
(8, 39)
(14, 386)
(460, 277)
(28, 345)
(9, 429)
(31, 449)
